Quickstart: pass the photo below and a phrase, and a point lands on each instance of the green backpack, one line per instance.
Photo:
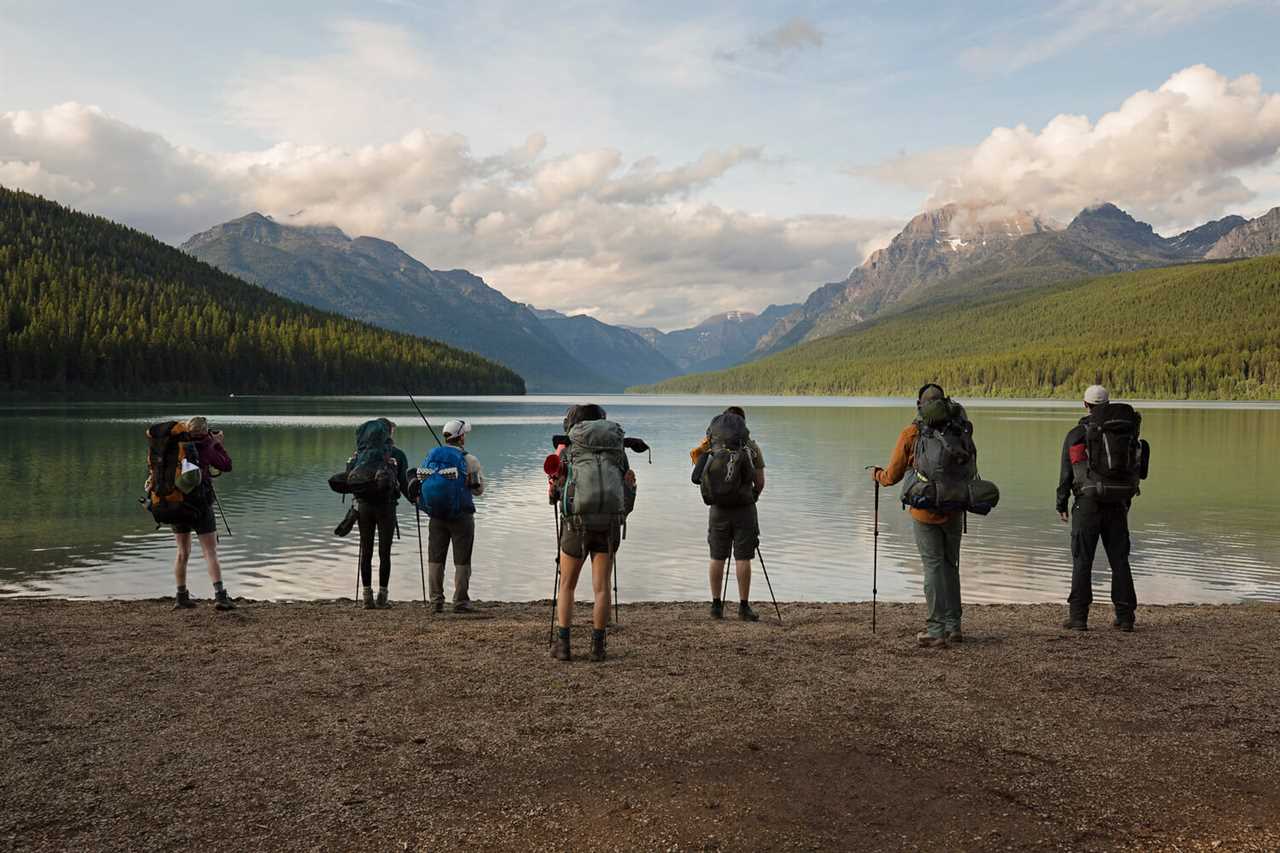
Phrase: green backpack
(595, 494)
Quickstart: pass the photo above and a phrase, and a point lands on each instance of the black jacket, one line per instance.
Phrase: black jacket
(1065, 475)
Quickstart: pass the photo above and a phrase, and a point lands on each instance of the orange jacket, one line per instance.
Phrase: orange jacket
(902, 459)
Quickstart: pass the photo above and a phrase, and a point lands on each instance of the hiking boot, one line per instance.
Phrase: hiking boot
(1076, 623)
(367, 602)
(1121, 623)
(383, 601)
(560, 648)
(437, 607)
(348, 522)
(183, 601)
(597, 645)
(954, 636)
(926, 639)
(463, 607)
(746, 614)
(222, 601)
(717, 609)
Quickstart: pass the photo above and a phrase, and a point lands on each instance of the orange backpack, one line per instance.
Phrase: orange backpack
(173, 474)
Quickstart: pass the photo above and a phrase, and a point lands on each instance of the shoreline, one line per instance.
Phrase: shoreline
(316, 725)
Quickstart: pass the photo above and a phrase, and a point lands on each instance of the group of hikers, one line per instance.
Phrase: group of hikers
(593, 489)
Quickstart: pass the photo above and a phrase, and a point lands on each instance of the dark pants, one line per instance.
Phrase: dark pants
(1091, 521)
(381, 517)
(461, 533)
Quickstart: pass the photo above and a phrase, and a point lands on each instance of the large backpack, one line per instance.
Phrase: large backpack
(595, 496)
(175, 489)
(1115, 457)
(727, 473)
(445, 493)
(944, 472)
(371, 474)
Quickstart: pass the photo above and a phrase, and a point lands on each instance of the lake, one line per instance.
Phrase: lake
(1204, 528)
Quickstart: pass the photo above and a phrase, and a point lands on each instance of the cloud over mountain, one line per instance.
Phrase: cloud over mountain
(552, 230)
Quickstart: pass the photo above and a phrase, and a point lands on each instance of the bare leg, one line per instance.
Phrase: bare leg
(717, 578)
(601, 571)
(743, 568)
(180, 560)
(209, 545)
(570, 568)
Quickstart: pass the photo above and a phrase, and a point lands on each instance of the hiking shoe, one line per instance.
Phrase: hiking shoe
(367, 602)
(463, 607)
(1075, 623)
(348, 522)
(717, 610)
(182, 601)
(925, 640)
(437, 606)
(597, 645)
(1122, 624)
(560, 649)
(746, 614)
(954, 636)
(222, 601)
(383, 602)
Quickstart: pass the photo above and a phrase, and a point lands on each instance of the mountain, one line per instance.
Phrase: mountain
(615, 352)
(955, 253)
(718, 341)
(89, 305)
(1259, 236)
(375, 281)
(1203, 331)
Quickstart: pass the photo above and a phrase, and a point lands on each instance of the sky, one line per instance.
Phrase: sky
(647, 163)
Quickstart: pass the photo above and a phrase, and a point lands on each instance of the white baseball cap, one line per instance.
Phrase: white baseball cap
(1096, 394)
(456, 427)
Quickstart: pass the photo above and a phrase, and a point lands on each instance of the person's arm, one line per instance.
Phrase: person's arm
(757, 458)
(216, 455)
(475, 476)
(1066, 477)
(402, 471)
(901, 459)
(703, 447)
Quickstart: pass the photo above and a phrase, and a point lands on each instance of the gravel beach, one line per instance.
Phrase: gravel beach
(318, 726)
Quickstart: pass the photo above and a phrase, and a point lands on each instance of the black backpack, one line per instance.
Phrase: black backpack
(944, 472)
(371, 475)
(1116, 457)
(726, 473)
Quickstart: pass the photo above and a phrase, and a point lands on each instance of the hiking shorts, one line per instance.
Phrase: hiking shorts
(206, 523)
(578, 542)
(733, 530)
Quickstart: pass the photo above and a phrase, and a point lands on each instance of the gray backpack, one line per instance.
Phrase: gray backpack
(944, 473)
(595, 494)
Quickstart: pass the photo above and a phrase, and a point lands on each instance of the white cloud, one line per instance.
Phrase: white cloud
(1070, 23)
(796, 34)
(555, 231)
(1174, 156)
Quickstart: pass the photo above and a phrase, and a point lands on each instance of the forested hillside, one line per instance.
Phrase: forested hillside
(1204, 331)
(91, 305)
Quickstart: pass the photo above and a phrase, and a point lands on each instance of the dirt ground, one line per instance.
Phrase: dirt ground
(317, 726)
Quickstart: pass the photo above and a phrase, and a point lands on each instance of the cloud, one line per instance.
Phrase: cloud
(1070, 23)
(1174, 156)
(629, 238)
(795, 35)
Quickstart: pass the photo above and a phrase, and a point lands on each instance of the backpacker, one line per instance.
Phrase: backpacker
(175, 489)
(728, 472)
(371, 474)
(445, 493)
(595, 496)
(944, 473)
(1113, 458)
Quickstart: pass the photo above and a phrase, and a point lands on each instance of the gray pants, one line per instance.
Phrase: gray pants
(461, 533)
(939, 546)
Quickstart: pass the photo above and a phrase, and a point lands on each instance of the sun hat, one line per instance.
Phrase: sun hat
(1096, 395)
(456, 427)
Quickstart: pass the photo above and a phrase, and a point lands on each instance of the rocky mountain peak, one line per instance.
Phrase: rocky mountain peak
(1250, 239)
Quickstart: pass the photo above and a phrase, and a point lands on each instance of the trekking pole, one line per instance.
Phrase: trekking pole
(555, 591)
(776, 609)
(725, 590)
(221, 512)
(417, 515)
(617, 620)
(424, 418)
(875, 551)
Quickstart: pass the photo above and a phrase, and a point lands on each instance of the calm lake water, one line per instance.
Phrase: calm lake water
(1204, 530)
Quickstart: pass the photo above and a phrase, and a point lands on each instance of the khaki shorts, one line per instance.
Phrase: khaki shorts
(733, 530)
(578, 543)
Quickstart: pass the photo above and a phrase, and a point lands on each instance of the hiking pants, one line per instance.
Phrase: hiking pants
(1091, 521)
(382, 518)
(939, 546)
(461, 533)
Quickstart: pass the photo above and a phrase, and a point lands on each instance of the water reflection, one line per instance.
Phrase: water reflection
(70, 476)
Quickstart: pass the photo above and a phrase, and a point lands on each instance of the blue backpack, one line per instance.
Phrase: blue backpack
(445, 494)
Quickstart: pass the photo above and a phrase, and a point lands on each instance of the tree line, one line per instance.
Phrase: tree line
(90, 305)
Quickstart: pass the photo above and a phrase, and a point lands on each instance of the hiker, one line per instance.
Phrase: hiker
(379, 471)
(184, 458)
(1103, 460)
(937, 460)
(596, 489)
(729, 468)
(450, 478)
